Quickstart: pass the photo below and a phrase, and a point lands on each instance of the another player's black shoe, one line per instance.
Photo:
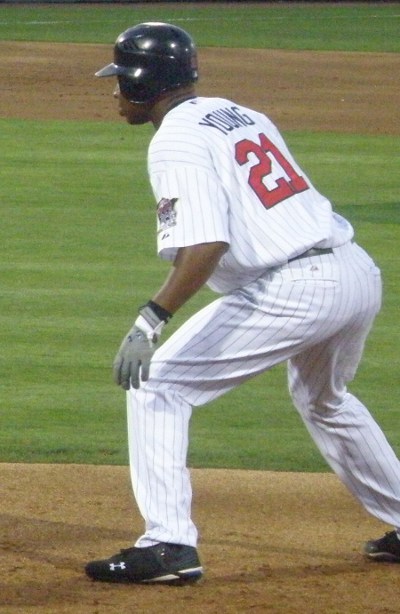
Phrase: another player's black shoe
(385, 549)
(162, 563)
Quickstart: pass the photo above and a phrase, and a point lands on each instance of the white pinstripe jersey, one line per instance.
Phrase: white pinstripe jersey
(222, 172)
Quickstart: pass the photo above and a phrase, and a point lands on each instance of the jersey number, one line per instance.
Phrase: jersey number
(263, 152)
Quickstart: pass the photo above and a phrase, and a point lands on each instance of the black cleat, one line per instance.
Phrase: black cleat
(385, 549)
(162, 563)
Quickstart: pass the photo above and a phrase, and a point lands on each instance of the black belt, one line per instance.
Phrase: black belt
(314, 251)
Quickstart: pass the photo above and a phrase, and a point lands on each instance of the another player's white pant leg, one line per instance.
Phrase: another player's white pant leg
(341, 426)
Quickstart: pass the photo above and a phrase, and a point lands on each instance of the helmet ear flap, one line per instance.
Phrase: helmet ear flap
(137, 91)
(134, 92)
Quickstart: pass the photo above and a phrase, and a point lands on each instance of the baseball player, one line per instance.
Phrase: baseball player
(236, 212)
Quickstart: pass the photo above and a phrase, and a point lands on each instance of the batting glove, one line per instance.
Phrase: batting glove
(132, 362)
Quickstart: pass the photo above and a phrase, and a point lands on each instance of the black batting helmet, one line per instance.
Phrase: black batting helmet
(152, 58)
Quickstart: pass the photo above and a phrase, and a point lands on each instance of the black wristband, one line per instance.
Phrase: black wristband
(160, 312)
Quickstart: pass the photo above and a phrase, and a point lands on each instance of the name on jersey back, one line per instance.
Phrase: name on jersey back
(226, 120)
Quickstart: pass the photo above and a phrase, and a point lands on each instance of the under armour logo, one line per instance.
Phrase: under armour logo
(114, 566)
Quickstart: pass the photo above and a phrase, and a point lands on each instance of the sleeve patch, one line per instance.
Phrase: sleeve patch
(166, 213)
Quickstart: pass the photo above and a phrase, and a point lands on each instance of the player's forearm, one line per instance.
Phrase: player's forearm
(192, 268)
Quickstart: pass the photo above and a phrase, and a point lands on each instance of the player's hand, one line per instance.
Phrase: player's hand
(132, 362)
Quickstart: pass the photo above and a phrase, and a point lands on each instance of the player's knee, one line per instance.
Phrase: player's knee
(316, 408)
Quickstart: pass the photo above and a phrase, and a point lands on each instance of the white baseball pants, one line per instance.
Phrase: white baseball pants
(315, 313)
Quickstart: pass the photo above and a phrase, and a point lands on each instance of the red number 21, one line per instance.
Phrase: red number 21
(284, 187)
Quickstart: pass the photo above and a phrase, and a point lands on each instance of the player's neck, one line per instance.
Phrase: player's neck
(169, 101)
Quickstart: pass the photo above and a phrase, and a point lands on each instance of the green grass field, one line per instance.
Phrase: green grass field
(361, 27)
(79, 256)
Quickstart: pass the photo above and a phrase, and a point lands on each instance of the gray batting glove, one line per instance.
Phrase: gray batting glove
(132, 362)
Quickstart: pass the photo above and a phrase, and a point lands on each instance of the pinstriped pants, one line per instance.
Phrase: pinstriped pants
(315, 313)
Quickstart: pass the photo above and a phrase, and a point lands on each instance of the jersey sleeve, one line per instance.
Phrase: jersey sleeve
(191, 208)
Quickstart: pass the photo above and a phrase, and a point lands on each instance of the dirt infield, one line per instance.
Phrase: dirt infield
(270, 542)
(349, 92)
